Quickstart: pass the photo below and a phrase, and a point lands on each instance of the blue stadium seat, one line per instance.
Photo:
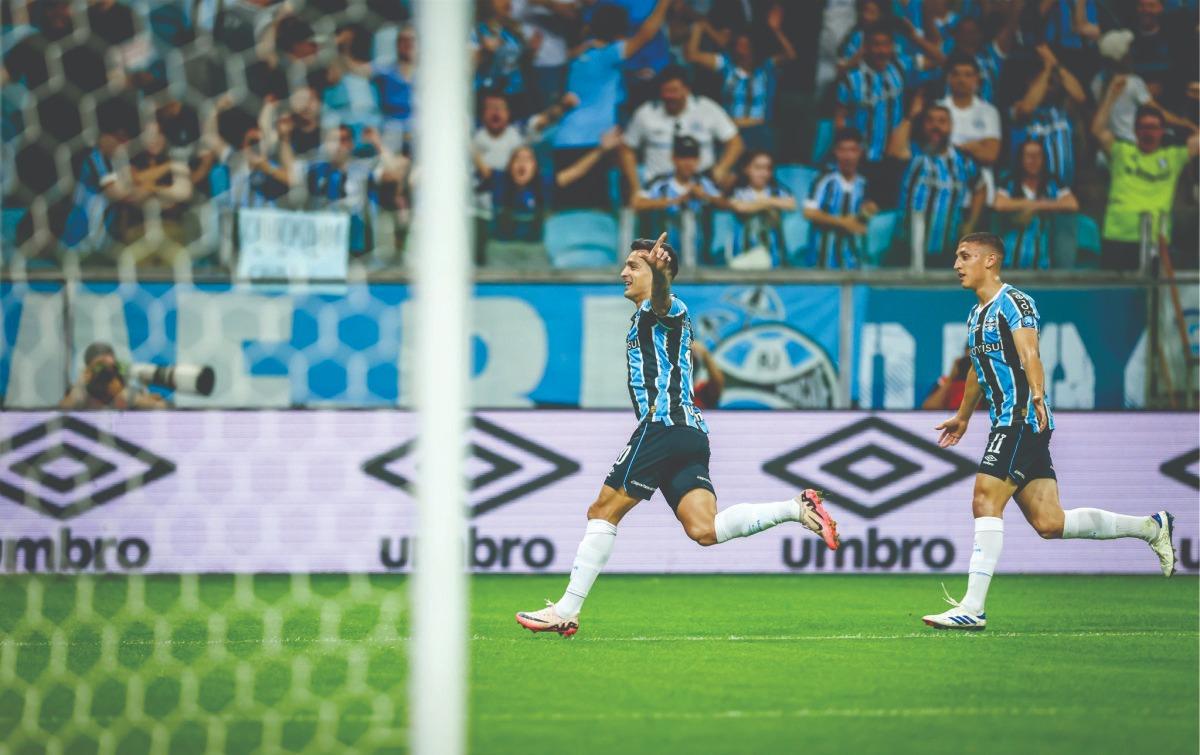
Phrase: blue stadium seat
(822, 141)
(798, 179)
(880, 230)
(1089, 234)
(725, 228)
(581, 238)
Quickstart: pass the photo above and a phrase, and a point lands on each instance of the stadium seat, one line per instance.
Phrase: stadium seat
(581, 238)
(1089, 234)
(724, 236)
(880, 230)
(798, 179)
(822, 140)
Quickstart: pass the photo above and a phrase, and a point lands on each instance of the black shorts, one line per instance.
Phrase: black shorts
(1017, 452)
(672, 459)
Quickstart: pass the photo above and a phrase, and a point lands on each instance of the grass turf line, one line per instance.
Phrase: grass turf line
(662, 664)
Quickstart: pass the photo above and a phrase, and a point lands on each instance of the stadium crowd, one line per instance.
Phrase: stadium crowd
(762, 134)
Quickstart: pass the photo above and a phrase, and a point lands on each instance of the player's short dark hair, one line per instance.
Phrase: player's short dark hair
(645, 245)
(960, 59)
(983, 238)
(1149, 110)
(848, 134)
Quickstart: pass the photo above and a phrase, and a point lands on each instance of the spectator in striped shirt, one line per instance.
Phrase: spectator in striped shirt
(344, 183)
(681, 195)
(747, 77)
(1027, 205)
(970, 40)
(940, 186)
(838, 208)
(1042, 114)
(760, 203)
(871, 97)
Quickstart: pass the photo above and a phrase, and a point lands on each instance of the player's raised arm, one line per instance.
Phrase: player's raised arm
(954, 428)
(1026, 341)
(660, 290)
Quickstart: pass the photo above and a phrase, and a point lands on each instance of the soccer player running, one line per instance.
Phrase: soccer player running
(669, 449)
(1002, 338)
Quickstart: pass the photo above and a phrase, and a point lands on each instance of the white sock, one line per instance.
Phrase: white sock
(590, 559)
(745, 519)
(989, 539)
(1097, 524)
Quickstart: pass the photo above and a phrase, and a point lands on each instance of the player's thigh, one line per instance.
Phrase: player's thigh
(991, 494)
(612, 505)
(1040, 504)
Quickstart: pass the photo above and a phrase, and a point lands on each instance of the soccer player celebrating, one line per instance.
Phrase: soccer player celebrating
(1002, 338)
(669, 449)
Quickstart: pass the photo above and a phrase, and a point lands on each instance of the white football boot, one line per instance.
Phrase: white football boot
(1163, 544)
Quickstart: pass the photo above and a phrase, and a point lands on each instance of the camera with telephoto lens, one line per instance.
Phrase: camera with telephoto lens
(182, 378)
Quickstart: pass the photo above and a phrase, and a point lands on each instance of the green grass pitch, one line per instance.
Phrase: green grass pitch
(698, 664)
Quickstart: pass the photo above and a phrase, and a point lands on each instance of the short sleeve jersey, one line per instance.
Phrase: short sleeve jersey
(658, 351)
(1141, 183)
(993, 350)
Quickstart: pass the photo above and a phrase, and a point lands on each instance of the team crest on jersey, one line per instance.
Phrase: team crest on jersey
(991, 324)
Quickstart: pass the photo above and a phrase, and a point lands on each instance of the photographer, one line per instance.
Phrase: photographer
(103, 385)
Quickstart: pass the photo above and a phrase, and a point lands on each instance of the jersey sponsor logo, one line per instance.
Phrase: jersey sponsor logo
(631, 344)
(1024, 306)
(986, 348)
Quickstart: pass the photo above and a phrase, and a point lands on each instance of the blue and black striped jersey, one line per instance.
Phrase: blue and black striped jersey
(994, 353)
(658, 350)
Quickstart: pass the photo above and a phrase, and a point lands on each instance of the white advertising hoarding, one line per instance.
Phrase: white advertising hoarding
(326, 491)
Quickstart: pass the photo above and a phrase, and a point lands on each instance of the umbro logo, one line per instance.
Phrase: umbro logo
(65, 466)
(1184, 468)
(871, 467)
(502, 466)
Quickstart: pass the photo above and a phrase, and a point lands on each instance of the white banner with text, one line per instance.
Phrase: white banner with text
(329, 491)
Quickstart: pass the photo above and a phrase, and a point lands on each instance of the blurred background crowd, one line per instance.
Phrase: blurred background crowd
(843, 134)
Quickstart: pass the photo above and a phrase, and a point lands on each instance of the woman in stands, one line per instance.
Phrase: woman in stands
(1026, 206)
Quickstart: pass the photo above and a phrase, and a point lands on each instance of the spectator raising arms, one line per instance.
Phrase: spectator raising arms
(1026, 204)
(760, 203)
(501, 50)
(839, 208)
(747, 77)
(870, 98)
(1042, 114)
(1144, 175)
(940, 185)
(497, 137)
(656, 126)
(594, 78)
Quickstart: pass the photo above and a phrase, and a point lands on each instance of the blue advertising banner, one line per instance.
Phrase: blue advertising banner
(1090, 344)
(532, 344)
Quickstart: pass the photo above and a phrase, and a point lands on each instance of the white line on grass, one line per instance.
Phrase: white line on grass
(519, 637)
(785, 713)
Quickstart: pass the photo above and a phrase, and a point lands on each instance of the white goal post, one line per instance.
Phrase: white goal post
(441, 281)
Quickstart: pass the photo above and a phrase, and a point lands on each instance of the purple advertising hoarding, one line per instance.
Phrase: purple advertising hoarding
(328, 491)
